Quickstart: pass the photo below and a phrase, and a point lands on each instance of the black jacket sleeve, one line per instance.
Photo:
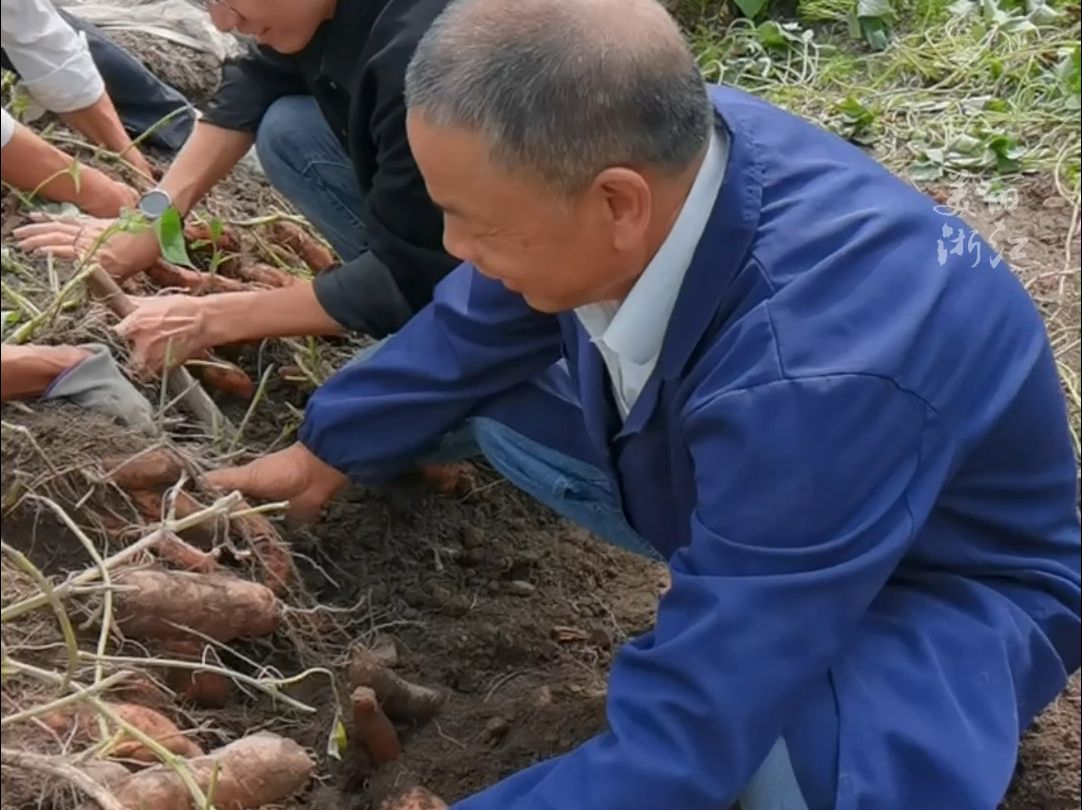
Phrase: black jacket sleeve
(403, 226)
(362, 296)
(250, 84)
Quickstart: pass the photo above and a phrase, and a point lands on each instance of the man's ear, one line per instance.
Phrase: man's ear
(629, 205)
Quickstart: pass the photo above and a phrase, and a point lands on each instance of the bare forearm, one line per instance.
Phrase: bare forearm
(26, 371)
(287, 312)
(207, 156)
(100, 123)
(33, 164)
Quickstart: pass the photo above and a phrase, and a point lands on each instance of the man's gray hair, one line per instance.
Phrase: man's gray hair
(565, 88)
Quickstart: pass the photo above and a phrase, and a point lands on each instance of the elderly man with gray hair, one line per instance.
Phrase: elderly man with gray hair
(718, 335)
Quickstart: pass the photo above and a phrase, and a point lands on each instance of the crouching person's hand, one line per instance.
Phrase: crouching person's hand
(84, 375)
(97, 383)
(295, 475)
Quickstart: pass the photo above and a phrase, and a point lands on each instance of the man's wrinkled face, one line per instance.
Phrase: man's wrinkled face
(558, 251)
(284, 25)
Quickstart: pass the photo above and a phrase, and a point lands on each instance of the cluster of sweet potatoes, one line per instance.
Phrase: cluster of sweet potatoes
(232, 269)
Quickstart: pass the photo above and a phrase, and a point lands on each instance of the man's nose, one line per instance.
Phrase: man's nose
(224, 18)
(458, 245)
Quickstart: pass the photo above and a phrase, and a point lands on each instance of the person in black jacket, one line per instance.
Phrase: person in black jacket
(320, 95)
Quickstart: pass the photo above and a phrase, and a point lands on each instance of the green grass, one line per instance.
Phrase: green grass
(960, 89)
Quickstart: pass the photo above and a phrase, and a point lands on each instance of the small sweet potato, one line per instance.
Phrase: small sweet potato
(269, 547)
(155, 725)
(415, 799)
(152, 470)
(227, 378)
(151, 506)
(307, 248)
(186, 557)
(262, 274)
(170, 276)
(399, 698)
(210, 690)
(452, 480)
(372, 729)
(198, 232)
(254, 771)
(153, 604)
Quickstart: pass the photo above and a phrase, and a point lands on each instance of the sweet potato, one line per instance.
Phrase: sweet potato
(415, 799)
(269, 547)
(153, 604)
(227, 378)
(150, 505)
(157, 726)
(254, 771)
(307, 248)
(450, 479)
(210, 690)
(198, 232)
(170, 276)
(185, 557)
(372, 729)
(399, 698)
(262, 274)
(152, 470)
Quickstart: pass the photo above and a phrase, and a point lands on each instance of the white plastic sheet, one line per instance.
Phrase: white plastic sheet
(177, 21)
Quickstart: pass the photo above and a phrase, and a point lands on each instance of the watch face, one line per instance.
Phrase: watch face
(154, 203)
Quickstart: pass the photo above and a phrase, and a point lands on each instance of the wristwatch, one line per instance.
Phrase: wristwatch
(154, 203)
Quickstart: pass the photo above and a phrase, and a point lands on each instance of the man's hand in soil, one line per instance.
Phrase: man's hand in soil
(122, 254)
(293, 474)
(27, 371)
(31, 163)
(180, 327)
(416, 799)
(84, 375)
(165, 331)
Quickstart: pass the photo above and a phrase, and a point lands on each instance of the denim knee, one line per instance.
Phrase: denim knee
(276, 141)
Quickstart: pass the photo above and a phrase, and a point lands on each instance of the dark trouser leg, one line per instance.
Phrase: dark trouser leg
(306, 163)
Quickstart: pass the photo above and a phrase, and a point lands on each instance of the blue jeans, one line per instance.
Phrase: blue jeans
(305, 162)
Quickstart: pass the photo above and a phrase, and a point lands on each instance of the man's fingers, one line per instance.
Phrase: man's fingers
(59, 251)
(230, 478)
(47, 232)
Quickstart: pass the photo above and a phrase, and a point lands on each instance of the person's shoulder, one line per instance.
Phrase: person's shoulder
(402, 23)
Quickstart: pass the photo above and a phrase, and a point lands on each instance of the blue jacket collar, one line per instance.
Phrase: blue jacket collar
(720, 254)
(725, 241)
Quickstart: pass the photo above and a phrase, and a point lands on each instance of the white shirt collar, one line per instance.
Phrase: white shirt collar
(635, 328)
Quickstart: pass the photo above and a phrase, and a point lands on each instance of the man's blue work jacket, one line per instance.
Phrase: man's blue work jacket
(854, 455)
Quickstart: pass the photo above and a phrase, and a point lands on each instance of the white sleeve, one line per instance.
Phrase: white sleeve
(53, 60)
(7, 128)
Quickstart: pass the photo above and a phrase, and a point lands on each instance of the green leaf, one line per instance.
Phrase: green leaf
(1069, 71)
(858, 118)
(926, 172)
(772, 35)
(170, 232)
(9, 318)
(338, 740)
(875, 9)
(962, 8)
(873, 20)
(1007, 153)
(216, 229)
(750, 8)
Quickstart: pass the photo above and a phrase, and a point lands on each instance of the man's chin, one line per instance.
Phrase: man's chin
(285, 45)
(545, 305)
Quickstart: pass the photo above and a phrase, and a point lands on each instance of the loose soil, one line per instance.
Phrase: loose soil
(488, 596)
